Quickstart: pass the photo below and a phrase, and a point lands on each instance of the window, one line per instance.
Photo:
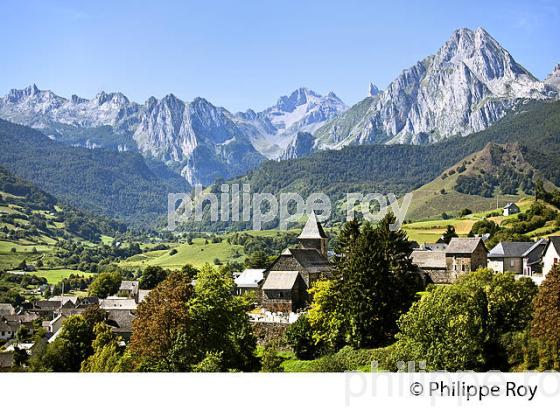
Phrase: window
(511, 263)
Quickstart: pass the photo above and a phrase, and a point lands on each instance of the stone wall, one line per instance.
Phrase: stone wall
(267, 331)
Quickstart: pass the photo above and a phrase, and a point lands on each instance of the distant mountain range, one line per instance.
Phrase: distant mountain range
(467, 85)
(200, 141)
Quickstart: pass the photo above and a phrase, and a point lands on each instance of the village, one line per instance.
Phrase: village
(281, 290)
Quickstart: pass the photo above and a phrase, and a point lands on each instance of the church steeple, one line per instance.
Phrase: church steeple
(313, 236)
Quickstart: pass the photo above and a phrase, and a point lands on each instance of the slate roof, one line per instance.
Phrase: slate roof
(121, 320)
(280, 280)
(310, 259)
(510, 249)
(6, 309)
(463, 245)
(65, 299)
(112, 303)
(511, 205)
(554, 241)
(312, 229)
(429, 259)
(24, 318)
(47, 305)
(534, 253)
(250, 278)
(129, 285)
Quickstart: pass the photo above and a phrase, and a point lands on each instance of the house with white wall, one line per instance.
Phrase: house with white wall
(551, 254)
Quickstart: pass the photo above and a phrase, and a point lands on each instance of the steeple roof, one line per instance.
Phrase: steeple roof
(312, 229)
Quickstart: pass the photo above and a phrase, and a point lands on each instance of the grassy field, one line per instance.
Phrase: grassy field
(196, 254)
(54, 276)
(431, 230)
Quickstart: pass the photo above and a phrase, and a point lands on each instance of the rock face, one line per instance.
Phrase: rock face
(373, 90)
(197, 138)
(553, 79)
(301, 146)
(273, 130)
(466, 86)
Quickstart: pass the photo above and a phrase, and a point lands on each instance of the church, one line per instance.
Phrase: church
(288, 278)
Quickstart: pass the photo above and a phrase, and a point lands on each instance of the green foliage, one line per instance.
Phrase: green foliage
(484, 226)
(152, 276)
(212, 363)
(299, 336)
(449, 233)
(106, 355)
(105, 284)
(374, 283)
(460, 326)
(271, 361)
(193, 326)
(115, 184)
(545, 328)
(70, 348)
(219, 320)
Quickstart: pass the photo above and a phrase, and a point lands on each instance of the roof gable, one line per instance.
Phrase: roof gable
(280, 280)
(463, 245)
(510, 249)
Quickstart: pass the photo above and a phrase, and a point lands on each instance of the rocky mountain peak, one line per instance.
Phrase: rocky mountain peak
(553, 80)
(297, 98)
(373, 90)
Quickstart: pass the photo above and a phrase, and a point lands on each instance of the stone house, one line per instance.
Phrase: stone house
(129, 289)
(282, 288)
(508, 256)
(284, 291)
(433, 264)
(465, 255)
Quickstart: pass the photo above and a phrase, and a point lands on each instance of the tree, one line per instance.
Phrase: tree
(271, 361)
(546, 322)
(256, 260)
(189, 270)
(106, 356)
(545, 327)
(160, 319)
(378, 283)
(461, 326)
(325, 314)
(70, 348)
(300, 338)
(105, 284)
(219, 320)
(465, 212)
(448, 234)
(484, 226)
(445, 329)
(152, 276)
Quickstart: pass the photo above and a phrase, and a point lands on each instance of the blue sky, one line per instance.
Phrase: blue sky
(245, 54)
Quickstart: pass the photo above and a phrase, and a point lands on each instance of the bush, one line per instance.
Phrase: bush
(270, 361)
(300, 338)
(465, 212)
